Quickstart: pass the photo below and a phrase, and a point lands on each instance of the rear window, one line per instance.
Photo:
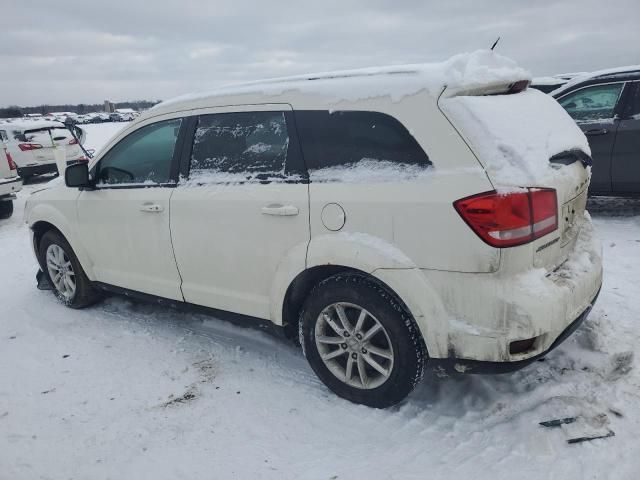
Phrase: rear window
(43, 136)
(337, 144)
(515, 136)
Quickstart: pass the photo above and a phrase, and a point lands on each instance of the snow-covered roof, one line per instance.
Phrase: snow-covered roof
(547, 81)
(31, 125)
(597, 74)
(462, 72)
(125, 110)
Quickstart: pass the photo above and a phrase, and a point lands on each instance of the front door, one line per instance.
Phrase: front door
(124, 222)
(594, 109)
(242, 214)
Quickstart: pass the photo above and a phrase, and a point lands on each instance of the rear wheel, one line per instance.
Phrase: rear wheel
(6, 209)
(64, 272)
(361, 341)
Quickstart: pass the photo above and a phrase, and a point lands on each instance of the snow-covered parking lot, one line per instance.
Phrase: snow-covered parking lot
(130, 390)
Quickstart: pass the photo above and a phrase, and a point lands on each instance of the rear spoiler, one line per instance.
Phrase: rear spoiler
(495, 88)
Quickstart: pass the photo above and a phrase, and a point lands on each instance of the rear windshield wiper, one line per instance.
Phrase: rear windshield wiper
(571, 156)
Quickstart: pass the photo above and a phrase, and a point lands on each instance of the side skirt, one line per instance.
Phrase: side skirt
(245, 321)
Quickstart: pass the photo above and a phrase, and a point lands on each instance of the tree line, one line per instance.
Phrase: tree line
(15, 111)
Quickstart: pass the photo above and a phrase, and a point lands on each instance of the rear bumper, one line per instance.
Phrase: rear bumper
(37, 169)
(42, 169)
(460, 365)
(9, 187)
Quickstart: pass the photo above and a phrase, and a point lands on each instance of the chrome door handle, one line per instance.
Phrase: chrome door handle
(151, 207)
(281, 210)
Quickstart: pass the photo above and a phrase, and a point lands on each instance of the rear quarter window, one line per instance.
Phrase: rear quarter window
(358, 146)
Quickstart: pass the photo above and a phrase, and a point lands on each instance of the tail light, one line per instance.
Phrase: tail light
(12, 164)
(29, 146)
(73, 141)
(510, 219)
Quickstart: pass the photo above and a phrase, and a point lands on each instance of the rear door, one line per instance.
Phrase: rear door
(240, 211)
(625, 165)
(594, 108)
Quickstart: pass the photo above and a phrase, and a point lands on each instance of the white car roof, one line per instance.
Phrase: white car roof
(462, 72)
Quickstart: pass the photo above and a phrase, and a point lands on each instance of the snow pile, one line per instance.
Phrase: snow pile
(369, 170)
(464, 71)
(514, 136)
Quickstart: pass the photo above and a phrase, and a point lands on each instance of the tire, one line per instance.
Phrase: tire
(6, 209)
(395, 344)
(83, 294)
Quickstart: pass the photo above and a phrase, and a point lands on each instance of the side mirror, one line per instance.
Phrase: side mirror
(77, 175)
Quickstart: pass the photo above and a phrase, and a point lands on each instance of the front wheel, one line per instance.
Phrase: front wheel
(6, 209)
(64, 272)
(361, 341)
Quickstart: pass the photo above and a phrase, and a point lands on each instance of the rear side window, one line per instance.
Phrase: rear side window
(3, 136)
(633, 104)
(352, 145)
(240, 147)
(592, 103)
(143, 157)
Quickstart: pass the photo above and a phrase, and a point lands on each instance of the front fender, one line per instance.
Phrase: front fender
(61, 215)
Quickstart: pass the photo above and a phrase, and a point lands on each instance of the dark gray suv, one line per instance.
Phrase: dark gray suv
(606, 105)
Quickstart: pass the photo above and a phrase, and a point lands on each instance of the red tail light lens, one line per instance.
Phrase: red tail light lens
(29, 146)
(73, 141)
(12, 164)
(510, 219)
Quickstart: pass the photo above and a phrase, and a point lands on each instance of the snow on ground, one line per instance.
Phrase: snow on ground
(129, 390)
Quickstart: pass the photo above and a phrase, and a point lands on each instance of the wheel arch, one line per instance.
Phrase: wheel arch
(44, 221)
(302, 285)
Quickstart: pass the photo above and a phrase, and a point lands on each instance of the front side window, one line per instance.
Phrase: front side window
(143, 157)
(592, 103)
(239, 147)
(358, 145)
(3, 136)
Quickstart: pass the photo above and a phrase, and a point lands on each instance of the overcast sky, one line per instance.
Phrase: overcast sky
(85, 51)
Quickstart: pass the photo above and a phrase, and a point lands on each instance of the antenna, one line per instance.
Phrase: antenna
(495, 43)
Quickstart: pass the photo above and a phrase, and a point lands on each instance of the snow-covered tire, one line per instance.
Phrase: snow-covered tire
(83, 294)
(395, 346)
(6, 209)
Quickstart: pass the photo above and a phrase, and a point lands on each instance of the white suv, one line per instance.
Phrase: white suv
(32, 145)
(389, 218)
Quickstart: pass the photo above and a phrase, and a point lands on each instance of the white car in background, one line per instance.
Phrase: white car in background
(10, 183)
(391, 219)
(32, 145)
